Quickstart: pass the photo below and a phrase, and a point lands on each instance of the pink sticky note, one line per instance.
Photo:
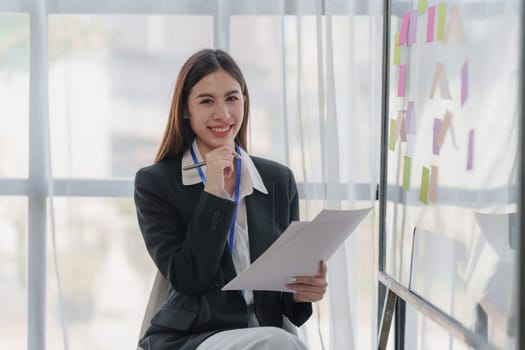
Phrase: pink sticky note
(412, 28)
(411, 118)
(401, 81)
(431, 21)
(403, 34)
(470, 154)
(435, 143)
(432, 190)
(464, 83)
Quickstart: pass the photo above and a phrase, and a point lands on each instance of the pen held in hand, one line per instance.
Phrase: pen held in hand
(193, 166)
(203, 163)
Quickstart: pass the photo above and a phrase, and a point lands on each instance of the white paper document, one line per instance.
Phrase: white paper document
(298, 250)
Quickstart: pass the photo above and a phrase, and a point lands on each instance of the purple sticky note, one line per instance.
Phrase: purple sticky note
(470, 154)
(464, 83)
(435, 143)
(431, 21)
(401, 80)
(412, 28)
(411, 118)
(403, 34)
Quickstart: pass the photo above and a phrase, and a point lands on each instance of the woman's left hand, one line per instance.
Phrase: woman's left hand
(310, 288)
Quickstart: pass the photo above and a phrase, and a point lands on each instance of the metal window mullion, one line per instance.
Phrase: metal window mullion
(38, 112)
(221, 26)
(521, 267)
(383, 152)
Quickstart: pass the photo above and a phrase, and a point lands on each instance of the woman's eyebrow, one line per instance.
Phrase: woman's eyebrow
(204, 94)
(207, 94)
(232, 92)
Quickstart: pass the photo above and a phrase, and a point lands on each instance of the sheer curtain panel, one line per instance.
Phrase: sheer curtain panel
(85, 89)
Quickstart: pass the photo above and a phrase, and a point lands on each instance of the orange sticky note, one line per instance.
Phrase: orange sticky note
(401, 126)
(440, 76)
(401, 81)
(445, 124)
(455, 21)
(432, 191)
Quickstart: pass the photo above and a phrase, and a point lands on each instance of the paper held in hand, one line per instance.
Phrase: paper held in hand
(298, 250)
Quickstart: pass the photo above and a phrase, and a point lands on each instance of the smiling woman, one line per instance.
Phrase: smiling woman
(203, 226)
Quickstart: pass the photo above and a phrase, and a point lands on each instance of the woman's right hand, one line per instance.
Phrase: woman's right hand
(219, 165)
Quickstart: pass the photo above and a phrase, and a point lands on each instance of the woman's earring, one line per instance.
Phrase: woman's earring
(186, 116)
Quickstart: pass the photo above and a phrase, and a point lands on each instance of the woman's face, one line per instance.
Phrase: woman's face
(215, 110)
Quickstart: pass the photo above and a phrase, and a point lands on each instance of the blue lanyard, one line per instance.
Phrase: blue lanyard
(236, 193)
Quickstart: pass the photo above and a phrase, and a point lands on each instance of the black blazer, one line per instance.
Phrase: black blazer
(185, 230)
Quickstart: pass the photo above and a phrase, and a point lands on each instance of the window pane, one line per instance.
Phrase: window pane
(13, 274)
(452, 213)
(14, 95)
(106, 274)
(253, 37)
(111, 81)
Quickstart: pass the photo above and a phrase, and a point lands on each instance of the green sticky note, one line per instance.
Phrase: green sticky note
(392, 141)
(423, 194)
(397, 50)
(406, 172)
(442, 12)
(422, 6)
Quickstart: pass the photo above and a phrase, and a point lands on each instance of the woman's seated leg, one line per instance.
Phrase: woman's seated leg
(259, 338)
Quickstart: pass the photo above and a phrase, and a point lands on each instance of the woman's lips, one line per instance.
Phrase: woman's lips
(220, 131)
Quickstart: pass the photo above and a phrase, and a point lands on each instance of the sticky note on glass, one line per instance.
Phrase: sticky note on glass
(442, 13)
(435, 143)
(455, 22)
(401, 80)
(423, 192)
(440, 76)
(403, 33)
(422, 7)
(453, 135)
(464, 83)
(401, 126)
(392, 136)
(431, 23)
(410, 118)
(397, 50)
(470, 152)
(406, 172)
(432, 191)
(443, 129)
(412, 28)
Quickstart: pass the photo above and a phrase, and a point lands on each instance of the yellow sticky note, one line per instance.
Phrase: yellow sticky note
(423, 192)
(392, 140)
(397, 50)
(422, 6)
(406, 172)
(442, 12)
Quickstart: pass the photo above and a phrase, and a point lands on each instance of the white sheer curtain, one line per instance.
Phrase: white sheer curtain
(100, 76)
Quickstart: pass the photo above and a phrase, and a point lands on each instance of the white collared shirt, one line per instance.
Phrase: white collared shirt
(250, 181)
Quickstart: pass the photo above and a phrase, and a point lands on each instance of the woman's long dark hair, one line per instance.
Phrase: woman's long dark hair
(178, 135)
